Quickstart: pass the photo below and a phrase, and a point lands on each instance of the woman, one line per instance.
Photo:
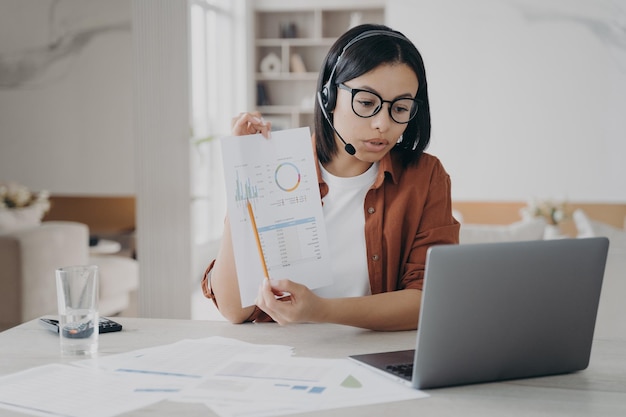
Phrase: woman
(385, 201)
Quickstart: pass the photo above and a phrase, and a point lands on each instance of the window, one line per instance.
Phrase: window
(218, 92)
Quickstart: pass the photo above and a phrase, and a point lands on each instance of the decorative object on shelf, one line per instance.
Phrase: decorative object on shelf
(288, 30)
(356, 18)
(297, 64)
(261, 95)
(308, 102)
(19, 207)
(299, 33)
(270, 64)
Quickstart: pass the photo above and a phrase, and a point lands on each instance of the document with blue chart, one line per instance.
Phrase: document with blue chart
(277, 176)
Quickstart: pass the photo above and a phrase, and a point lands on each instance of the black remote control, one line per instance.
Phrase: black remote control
(78, 330)
(105, 325)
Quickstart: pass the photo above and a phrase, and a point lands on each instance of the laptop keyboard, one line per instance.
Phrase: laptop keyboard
(403, 370)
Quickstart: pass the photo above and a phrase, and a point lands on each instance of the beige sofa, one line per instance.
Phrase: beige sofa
(28, 258)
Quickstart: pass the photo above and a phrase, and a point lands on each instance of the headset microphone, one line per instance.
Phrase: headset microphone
(348, 146)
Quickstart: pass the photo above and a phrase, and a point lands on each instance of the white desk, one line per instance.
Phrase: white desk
(597, 391)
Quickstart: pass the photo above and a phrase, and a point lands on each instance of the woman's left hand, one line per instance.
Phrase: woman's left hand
(288, 302)
(250, 123)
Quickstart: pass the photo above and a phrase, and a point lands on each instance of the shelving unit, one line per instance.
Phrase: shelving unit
(290, 42)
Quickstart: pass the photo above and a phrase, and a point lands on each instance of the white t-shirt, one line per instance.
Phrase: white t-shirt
(345, 222)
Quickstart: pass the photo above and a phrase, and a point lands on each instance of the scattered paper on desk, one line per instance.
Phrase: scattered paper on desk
(71, 391)
(110, 385)
(233, 378)
(278, 177)
(192, 358)
(259, 387)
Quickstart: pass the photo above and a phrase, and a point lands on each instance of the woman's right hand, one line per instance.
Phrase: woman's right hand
(288, 302)
(249, 124)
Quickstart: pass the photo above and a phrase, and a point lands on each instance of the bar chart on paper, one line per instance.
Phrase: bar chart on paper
(278, 183)
(278, 178)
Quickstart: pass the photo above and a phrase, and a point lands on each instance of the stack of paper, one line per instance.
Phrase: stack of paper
(231, 377)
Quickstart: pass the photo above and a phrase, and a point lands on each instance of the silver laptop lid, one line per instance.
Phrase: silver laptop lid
(507, 310)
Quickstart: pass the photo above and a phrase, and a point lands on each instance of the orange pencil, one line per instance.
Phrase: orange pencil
(258, 240)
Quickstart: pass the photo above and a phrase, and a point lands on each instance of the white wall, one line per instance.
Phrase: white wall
(527, 97)
(66, 122)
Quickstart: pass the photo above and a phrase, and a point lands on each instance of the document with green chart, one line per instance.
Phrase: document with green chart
(275, 181)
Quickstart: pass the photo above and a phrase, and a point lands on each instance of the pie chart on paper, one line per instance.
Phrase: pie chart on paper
(287, 176)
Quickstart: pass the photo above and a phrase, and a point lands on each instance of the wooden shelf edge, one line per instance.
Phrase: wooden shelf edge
(287, 76)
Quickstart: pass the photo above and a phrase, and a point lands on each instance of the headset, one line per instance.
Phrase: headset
(327, 97)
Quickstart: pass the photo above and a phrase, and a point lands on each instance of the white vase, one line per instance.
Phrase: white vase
(553, 231)
(22, 217)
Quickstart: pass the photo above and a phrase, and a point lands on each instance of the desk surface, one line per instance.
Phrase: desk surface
(600, 390)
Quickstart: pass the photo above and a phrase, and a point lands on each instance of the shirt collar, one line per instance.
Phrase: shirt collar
(387, 165)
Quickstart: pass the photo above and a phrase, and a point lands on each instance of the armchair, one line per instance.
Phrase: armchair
(28, 258)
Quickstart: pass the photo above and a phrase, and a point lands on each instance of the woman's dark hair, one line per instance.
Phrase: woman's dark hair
(359, 58)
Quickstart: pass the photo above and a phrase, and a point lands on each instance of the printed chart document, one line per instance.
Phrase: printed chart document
(277, 177)
(71, 391)
(188, 358)
(267, 386)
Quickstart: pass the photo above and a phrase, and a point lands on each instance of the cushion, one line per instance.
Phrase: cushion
(590, 228)
(119, 275)
(610, 322)
(528, 229)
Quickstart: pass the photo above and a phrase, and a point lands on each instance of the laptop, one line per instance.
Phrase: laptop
(500, 311)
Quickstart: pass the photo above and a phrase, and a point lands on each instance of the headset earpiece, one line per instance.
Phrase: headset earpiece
(324, 96)
(329, 96)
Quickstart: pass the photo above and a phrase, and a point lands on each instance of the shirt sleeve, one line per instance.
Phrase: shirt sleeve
(437, 226)
(257, 315)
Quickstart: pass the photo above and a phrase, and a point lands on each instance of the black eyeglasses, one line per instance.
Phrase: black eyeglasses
(367, 104)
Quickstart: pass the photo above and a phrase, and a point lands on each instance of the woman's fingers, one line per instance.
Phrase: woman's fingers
(286, 301)
(249, 124)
